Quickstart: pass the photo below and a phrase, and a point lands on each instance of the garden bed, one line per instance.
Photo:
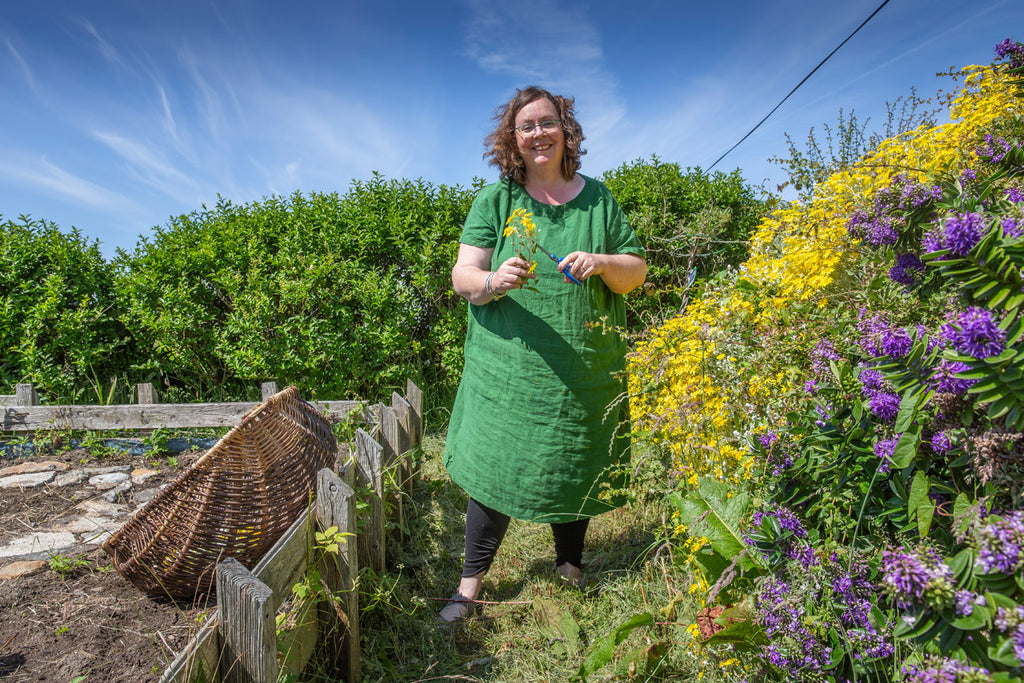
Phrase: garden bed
(76, 619)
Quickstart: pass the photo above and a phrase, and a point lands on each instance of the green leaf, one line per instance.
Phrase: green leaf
(558, 626)
(743, 635)
(906, 449)
(925, 513)
(909, 403)
(604, 649)
(918, 491)
(715, 514)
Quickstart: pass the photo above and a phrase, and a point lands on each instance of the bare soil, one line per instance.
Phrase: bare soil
(87, 624)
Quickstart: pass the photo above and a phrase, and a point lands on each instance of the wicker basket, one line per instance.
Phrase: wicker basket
(235, 501)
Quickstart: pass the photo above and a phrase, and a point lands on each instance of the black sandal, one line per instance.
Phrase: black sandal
(458, 608)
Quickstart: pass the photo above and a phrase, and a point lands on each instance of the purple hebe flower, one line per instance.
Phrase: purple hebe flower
(1015, 194)
(885, 406)
(907, 266)
(944, 380)
(968, 176)
(822, 353)
(993, 150)
(896, 342)
(1012, 228)
(1011, 623)
(1000, 543)
(978, 335)
(787, 520)
(917, 578)
(942, 670)
(884, 450)
(941, 443)
(1013, 50)
(962, 231)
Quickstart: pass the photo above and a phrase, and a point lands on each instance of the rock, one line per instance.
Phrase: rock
(92, 471)
(33, 467)
(27, 481)
(20, 568)
(141, 474)
(100, 508)
(71, 478)
(40, 545)
(109, 480)
(118, 492)
(144, 496)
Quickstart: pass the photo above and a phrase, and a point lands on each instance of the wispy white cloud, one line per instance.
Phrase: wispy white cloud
(151, 166)
(39, 174)
(562, 52)
(107, 50)
(23, 67)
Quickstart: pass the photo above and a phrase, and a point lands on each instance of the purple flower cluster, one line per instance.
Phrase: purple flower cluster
(1011, 623)
(883, 403)
(1012, 227)
(904, 194)
(944, 380)
(792, 645)
(821, 355)
(786, 519)
(942, 443)
(884, 450)
(977, 334)
(1015, 194)
(993, 150)
(917, 577)
(962, 231)
(941, 670)
(907, 267)
(1000, 543)
(1013, 50)
(882, 223)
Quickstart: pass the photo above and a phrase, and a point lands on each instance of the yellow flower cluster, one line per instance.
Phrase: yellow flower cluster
(520, 223)
(682, 393)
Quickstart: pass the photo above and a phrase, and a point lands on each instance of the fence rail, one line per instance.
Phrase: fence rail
(21, 412)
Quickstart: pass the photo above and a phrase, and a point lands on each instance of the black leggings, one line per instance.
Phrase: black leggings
(485, 528)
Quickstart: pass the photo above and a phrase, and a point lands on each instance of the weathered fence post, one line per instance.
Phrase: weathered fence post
(247, 625)
(25, 395)
(370, 473)
(403, 412)
(336, 506)
(146, 394)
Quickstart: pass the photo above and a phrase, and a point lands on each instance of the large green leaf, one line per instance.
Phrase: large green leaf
(604, 649)
(717, 513)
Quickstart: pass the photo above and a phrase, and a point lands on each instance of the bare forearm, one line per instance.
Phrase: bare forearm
(622, 273)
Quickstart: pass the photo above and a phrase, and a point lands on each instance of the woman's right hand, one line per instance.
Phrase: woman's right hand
(512, 274)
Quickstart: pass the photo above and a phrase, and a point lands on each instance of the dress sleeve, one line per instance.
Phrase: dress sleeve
(484, 222)
(622, 238)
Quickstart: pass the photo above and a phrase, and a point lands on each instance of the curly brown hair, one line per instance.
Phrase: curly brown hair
(502, 150)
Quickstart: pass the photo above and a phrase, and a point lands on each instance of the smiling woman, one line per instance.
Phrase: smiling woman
(537, 431)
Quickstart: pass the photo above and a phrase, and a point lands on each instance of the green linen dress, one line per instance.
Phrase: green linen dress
(540, 421)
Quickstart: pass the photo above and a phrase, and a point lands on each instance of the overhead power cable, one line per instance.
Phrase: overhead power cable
(879, 8)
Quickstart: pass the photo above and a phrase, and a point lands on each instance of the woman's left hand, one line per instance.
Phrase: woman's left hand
(620, 272)
(580, 264)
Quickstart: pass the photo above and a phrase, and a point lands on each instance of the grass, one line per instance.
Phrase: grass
(538, 629)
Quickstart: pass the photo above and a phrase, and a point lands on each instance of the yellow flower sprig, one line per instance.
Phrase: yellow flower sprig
(523, 231)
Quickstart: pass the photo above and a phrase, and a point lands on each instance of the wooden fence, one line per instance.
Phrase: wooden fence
(240, 642)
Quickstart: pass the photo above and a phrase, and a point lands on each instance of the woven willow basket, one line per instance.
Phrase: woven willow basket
(235, 501)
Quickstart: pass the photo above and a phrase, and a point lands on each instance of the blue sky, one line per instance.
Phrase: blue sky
(119, 114)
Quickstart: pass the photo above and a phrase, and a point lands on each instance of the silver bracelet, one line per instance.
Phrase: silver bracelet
(488, 288)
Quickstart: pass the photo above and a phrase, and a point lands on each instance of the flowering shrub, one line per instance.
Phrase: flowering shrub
(770, 312)
(900, 464)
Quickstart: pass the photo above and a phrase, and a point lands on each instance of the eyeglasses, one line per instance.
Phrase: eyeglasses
(549, 126)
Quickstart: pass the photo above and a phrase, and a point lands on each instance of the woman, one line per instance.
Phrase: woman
(539, 424)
